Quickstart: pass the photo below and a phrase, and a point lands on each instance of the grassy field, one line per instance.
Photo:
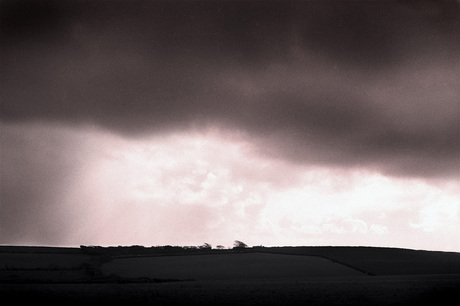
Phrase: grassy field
(41, 260)
(376, 290)
(228, 266)
(253, 276)
(382, 261)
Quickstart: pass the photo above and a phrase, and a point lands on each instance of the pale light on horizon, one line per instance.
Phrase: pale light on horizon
(191, 188)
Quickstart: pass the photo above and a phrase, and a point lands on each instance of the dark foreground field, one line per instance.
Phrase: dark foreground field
(253, 276)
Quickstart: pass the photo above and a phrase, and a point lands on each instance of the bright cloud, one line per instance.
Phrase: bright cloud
(213, 187)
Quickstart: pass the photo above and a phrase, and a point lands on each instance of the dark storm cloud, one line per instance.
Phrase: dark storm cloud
(293, 75)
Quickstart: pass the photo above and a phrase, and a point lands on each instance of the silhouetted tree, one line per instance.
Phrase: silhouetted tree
(220, 247)
(205, 246)
(239, 245)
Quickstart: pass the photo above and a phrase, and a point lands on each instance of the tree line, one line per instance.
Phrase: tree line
(165, 249)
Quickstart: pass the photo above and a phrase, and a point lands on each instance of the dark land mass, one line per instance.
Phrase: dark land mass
(170, 275)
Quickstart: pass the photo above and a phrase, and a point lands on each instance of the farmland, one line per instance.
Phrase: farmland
(244, 266)
(264, 276)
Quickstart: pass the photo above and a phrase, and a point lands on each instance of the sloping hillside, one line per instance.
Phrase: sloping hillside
(243, 266)
(382, 261)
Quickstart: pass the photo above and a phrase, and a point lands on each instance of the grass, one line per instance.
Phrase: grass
(382, 261)
(378, 290)
(254, 276)
(228, 266)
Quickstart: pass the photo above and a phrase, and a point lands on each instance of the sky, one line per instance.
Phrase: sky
(272, 123)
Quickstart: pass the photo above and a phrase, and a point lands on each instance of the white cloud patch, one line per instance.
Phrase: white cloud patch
(439, 217)
(211, 187)
(379, 229)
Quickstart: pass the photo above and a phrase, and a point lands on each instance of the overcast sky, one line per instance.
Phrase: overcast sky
(275, 123)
